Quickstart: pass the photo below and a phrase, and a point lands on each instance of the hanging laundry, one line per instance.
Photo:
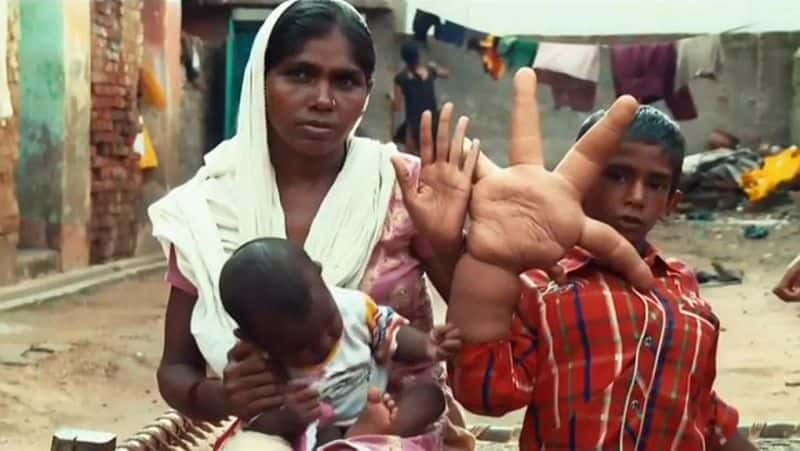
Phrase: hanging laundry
(647, 72)
(423, 21)
(6, 108)
(698, 57)
(143, 146)
(568, 91)
(451, 33)
(517, 52)
(151, 89)
(580, 61)
(473, 39)
(493, 63)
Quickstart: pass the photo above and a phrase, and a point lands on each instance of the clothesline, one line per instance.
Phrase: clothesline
(649, 72)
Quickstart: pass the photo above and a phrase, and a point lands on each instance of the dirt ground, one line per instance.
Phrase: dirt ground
(101, 349)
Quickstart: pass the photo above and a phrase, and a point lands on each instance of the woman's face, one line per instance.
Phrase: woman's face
(315, 97)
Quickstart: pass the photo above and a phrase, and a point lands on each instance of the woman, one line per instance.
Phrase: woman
(415, 91)
(294, 170)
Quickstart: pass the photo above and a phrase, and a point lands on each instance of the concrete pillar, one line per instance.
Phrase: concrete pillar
(9, 154)
(795, 117)
(76, 172)
(54, 168)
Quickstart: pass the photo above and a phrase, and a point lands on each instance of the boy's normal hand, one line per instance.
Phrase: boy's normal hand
(525, 216)
(445, 343)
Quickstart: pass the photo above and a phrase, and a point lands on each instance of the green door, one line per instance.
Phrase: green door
(242, 28)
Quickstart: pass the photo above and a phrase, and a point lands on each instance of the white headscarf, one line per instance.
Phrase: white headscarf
(343, 234)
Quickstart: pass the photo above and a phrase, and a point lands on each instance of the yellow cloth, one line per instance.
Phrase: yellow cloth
(777, 170)
(152, 92)
(149, 159)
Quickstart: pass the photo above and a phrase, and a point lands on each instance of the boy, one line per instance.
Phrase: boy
(597, 363)
(337, 341)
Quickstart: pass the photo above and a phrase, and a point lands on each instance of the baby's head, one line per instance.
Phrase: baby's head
(275, 293)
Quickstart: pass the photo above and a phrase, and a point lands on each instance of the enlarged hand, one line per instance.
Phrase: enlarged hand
(527, 217)
(251, 385)
(788, 288)
(445, 343)
(438, 200)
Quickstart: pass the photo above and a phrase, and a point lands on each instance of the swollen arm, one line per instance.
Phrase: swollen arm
(482, 300)
(181, 375)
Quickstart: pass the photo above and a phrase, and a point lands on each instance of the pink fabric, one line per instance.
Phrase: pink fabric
(175, 277)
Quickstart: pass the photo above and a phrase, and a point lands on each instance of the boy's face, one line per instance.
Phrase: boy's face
(313, 340)
(633, 192)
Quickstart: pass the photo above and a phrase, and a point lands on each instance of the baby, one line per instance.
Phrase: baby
(337, 341)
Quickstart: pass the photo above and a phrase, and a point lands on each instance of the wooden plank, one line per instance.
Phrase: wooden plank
(69, 439)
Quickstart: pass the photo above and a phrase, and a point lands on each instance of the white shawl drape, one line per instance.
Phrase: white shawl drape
(342, 236)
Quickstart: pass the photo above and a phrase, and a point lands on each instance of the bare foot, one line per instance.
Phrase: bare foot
(378, 415)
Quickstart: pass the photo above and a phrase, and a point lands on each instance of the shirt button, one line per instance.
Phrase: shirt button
(635, 405)
(648, 341)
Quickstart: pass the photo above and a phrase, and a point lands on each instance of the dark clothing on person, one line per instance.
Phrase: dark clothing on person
(647, 72)
(419, 95)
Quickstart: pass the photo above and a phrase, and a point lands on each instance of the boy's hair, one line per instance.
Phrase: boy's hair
(410, 54)
(651, 126)
(266, 278)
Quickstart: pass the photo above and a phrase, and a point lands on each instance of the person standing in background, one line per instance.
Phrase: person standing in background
(415, 93)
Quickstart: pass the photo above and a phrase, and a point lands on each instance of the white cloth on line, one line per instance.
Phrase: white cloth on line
(580, 61)
(698, 56)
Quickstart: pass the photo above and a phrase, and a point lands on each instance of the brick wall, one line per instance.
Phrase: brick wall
(9, 153)
(116, 179)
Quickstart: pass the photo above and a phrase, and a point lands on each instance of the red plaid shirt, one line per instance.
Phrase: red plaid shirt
(600, 365)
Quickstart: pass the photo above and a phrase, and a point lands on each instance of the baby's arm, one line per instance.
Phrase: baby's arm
(482, 300)
(394, 339)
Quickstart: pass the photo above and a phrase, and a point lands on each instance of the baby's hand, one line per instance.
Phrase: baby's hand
(445, 342)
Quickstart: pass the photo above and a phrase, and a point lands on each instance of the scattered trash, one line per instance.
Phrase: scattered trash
(711, 180)
(703, 215)
(721, 276)
(22, 354)
(778, 170)
(792, 383)
(755, 232)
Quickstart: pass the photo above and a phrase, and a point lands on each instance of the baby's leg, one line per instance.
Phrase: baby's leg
(377, 417)
(418, 407)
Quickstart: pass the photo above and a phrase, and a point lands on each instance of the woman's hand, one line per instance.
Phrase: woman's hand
(251, 385)
(788, 288)
(438, 200)
(527, 217)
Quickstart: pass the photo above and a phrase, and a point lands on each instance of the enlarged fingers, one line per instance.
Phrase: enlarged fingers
(607, 245)
(585, 161)
(526, 135)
